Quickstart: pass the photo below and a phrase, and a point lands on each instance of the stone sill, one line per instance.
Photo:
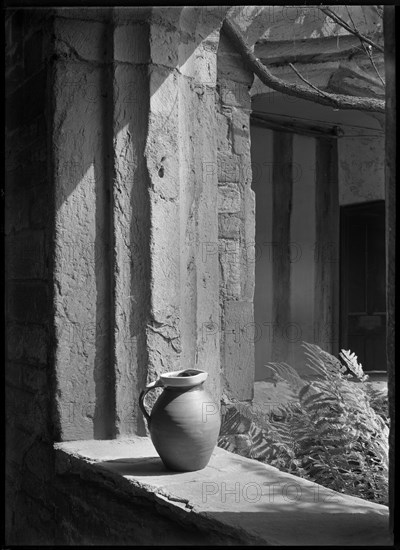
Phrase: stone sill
(233, 496)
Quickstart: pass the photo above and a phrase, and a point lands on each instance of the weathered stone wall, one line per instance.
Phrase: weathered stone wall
(129, 242)
(236, 224)
(181, 145)
(134, 134)
(82, 169)
(102, 265)
(110, 208)
(28, 194)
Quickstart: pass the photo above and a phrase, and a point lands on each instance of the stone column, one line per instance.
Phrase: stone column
(81, 162)
(134, 133)
(236, 225)
(180, 149)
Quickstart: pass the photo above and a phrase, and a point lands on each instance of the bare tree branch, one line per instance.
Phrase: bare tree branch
(332, 100)
(342, 23)
(307, 81)
(366, 49)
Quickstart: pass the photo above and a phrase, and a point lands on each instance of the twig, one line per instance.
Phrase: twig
(307, 82)
(342, 23)
(366, 49)
(337, 101)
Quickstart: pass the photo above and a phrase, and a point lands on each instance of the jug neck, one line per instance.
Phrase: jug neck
(184, 389)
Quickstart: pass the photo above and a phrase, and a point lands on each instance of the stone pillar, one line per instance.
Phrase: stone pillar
(81, 139)
(236, 225)
(180, 149)
(134, 135)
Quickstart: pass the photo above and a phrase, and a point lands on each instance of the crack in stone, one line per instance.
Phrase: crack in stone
(171, 498)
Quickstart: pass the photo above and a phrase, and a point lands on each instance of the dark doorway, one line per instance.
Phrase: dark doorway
(363, 283)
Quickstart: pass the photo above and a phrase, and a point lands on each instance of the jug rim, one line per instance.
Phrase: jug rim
(175, 378)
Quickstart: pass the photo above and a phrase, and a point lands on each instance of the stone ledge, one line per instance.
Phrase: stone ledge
(233, 496)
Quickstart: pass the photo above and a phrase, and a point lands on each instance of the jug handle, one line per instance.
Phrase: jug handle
(156, 384)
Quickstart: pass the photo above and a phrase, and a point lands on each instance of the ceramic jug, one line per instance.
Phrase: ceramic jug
(185, 422)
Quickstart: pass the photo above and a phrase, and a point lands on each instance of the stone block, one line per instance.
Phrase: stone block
(28, 101)
(198, 60)
(223, 129)
(228, 226)
(231, 65)
(229, 259)
(17, 205)
(130, 15)
(25, 255)
(131, 43)
(34, 379)
(15, 44)
(27, 134)
(83, 39)
(33, 53)
(241, 132)
(238, 359)
(229, 199)
(27, 344)
(229, 168)
(89, 14)
(250, 252)
(17, 443)
(14, 76)
(234, 94)
(28, 411)
(25, 169)
(165, 46)
(40, 210)
(27, 206)
(38, 461)
(28, 302)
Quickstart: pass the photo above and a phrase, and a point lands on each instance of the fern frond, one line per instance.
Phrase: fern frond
(353, 365)
(287, 374)
(333, 435)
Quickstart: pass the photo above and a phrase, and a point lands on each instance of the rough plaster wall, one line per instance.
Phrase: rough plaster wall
(28, 219)
(361, 168)
(236, 220)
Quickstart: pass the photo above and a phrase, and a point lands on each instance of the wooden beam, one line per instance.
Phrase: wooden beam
(282, 183)
(294, 126)
(326, 310)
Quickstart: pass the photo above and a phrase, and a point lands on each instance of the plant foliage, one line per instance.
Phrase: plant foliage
(336, 434)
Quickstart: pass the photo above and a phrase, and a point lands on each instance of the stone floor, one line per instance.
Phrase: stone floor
(234, 495)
